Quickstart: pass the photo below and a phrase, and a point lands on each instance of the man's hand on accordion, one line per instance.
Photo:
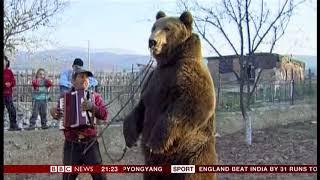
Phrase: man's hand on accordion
(86, 105)
(56, 113)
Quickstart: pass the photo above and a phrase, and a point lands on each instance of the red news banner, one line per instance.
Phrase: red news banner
(160, 169)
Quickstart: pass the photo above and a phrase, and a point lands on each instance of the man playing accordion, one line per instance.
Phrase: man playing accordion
(78, 138)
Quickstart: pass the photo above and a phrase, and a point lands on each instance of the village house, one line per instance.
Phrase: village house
(275, 67)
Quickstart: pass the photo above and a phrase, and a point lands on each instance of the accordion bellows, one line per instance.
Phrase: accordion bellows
(71, 106)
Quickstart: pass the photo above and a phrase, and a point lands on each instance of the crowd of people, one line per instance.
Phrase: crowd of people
(76, 138)
(41, 87)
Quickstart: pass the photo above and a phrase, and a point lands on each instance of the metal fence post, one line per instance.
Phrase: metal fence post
(219, 87)
(292, 91)
(310, 79)
(292, 87)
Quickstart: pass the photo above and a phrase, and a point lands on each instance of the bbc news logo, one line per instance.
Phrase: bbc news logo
(60, 169)
(183, 168)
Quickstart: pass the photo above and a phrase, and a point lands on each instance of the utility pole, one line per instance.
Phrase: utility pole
(89, 55)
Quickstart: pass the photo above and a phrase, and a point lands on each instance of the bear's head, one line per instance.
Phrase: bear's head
(168, 33)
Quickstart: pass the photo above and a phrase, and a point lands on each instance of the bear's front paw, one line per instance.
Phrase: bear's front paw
(130, 142)
(156, 143)
(155, 148)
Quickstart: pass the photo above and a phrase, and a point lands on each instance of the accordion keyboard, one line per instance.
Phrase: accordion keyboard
(61, 103)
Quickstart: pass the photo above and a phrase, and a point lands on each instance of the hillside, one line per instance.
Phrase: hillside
(100, 59)
(58, 59)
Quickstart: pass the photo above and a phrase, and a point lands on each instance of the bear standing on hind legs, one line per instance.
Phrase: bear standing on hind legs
(176, 112)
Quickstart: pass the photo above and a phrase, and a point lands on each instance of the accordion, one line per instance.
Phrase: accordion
(70, 104)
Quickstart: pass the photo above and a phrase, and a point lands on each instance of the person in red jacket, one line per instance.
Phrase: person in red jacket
(8, 83)
(78, 138)
(41, 86)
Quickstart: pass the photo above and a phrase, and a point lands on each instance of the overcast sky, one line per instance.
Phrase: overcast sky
(126, 24)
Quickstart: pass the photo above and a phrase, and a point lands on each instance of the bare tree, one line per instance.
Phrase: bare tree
(245, 28)
(23, 16)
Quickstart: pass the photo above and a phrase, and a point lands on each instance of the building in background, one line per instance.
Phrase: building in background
(275, 67)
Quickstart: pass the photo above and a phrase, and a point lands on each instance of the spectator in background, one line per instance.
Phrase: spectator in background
(8, 83)
(66, 76)
(41, 87)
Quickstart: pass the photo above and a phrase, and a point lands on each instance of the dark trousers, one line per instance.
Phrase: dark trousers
(39, 107)
(72, 155)
(8, 103)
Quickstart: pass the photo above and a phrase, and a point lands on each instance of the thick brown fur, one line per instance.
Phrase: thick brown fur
(176, 112)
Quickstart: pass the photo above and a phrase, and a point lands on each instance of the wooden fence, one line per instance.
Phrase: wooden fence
(24, 77)
(118, 88)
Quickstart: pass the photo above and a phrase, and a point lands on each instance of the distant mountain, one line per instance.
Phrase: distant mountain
(100, 59)
(311, 61)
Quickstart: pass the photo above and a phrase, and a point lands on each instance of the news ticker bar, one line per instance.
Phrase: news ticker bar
(160, 169)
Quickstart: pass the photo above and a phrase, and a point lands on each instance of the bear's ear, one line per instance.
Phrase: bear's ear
(160, 14)
(187, 19)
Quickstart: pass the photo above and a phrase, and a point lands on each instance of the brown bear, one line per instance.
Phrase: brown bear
(176, 110)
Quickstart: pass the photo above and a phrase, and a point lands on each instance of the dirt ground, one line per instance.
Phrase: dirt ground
(292, 144)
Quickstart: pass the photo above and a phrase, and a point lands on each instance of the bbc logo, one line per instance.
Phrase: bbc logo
(60, 169)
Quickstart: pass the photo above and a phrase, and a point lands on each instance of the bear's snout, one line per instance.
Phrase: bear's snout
(152, 43)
